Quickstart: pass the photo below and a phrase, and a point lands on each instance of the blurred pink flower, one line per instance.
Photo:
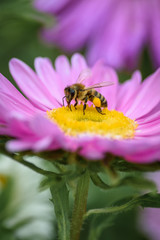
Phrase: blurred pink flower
(150, 217)
(114, 30)
(25, 119)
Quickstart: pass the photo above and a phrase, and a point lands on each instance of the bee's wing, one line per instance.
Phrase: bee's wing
(100, 85)
(85, 74)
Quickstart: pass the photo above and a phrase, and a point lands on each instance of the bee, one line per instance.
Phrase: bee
(78, 91)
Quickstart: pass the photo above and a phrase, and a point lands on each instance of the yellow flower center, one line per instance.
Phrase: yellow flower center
(112, 124)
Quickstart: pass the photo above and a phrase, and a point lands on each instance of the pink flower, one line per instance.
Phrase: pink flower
(26, 118)
(150, 217)
(115, 30)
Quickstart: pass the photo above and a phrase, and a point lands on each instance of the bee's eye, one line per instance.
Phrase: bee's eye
(72, 91)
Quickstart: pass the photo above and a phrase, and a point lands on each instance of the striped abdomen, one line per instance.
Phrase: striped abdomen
(94, 94)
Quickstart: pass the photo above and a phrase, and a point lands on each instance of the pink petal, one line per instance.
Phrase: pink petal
(12, 104)
(31, 85)
(153, 115)
(121, 36)
(19, 145)
(12, 98)
(50, 6)
(42, 126)
(127, 92)
(4, 113)
(49, 135)
(148, 156)
(149, 129)
(147, 97)
(78, 63)
(43, 144)
(92, 148)
(3, 130)
(154, 36)
(18, 126)
(63, 69)
(102, 73)
(132, 149)
(143, 150)
(37, 134)
(50, 78)
(68, 31)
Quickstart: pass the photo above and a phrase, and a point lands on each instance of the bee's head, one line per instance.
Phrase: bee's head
(69, 94)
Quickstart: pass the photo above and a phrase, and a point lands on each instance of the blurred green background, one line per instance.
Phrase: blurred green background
(20, 28)
(19, 33)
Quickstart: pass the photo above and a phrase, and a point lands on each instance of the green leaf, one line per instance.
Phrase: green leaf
(60, 199)
(5, 197)
(134, 181)
(19, 157)
(80, 203)
(98, 181)
(150, 200)
(121, 165)
(147, 200)
(46, 183)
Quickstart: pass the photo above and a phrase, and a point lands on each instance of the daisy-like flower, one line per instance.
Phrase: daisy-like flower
(130, 127)
(115, 30)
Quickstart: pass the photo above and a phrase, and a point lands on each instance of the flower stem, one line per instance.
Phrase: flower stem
(60, 199)
(79, 205)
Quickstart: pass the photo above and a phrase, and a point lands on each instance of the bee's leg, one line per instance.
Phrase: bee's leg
(63, 100)
(100, 110)
(84, 106)
(69, 106)
(75, 103)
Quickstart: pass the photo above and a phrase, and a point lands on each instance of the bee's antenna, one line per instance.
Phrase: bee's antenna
(63, 100)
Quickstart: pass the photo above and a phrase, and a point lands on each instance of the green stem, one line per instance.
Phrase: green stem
(79, 205)
(20, 159)
(60, 199)
(147, 200)
(125, 207)
(34, 167)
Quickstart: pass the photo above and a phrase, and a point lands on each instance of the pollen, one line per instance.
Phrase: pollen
(97, 102)
(111, 124)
